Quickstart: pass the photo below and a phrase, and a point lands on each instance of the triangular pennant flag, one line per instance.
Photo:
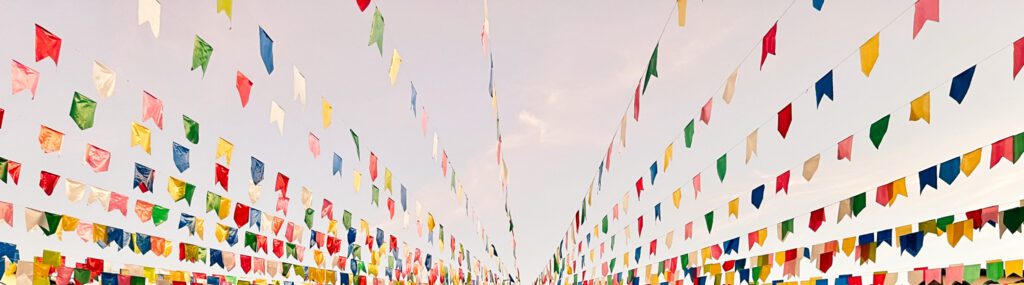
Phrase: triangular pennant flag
(266, 51)
(869, 55)
(823, 88)
(925, 10)
(377, 30)
(23, 77)
(47, 45)
(201, 52)
(921, 108)
(149, 11)
(768, 43)
(709, 220)
(244, 86)
(878, 130)
(652, 68)
(961, 83)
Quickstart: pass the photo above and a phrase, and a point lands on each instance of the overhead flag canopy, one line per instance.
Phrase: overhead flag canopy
(201, 52)
(47, 45)
(83, 111)
(377, 30)
(266, 50)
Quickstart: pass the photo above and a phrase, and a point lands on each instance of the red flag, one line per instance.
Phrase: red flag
(639, 187)
(883, 193)
(752, 238)
(825, 261)
(246, 263)
(654, 247)
(1018, 56)
(817, 218)
(639, 225)
(47, 45)
(1, 118)
(241, 214)
(278, 248)
(47, 181)
(782, 182)
(785, 118)
(327, 210)
(705, 112)
(391, 208)
(845, 148)
(1001, 149)
(373, 166)
(768, 43)
(282, 184)
(363, 4)
(221, 176)
(636, 103)
(925, 10)
(14, 170)
(244, 86)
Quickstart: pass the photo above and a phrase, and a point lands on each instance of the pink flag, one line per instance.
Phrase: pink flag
(152, 108)
(696, 185)
(118, 202)
(328, 210)
(925, 10)
(97, 158)
(244, 86)
(23, 77)
(768, 43)
(782, 182)
(636, 103)
(7, 213)
(282, 204)
(688, 231)
(1001, 149)
(845, 148)
(314, 145)
(705, 112)
(1018, 56)
(615, 212)
(444, 163)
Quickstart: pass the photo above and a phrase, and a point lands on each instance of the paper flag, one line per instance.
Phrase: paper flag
(23, 77)
(256, 169)
(928, 177)
(817, 4)
(224, 6)
(281, 185)
(103, 77)
(961, 83)
(221, 176)
(869, 55)
(681, 8)
(756, 196)
(1018, 56)
(921, 108)
(377, 30)
(734, 207)
(696, 186)
(96, 158)
(201, 52)
(326, 111)
(363, 4)
(636, 102)
(949, 170)
(336, 165)
(878, 129)
(191, 129)
(622, 131)
(823, 88)
(149, 12)
(730, 85)
(141, 137)
(396, 64)
(143, 178)
(47, 45)
(356, 180)
(299, 85)
(180, 190)
(811, 166)
(768, 43)
(639, 188)
(224, 149)
(1001, 149)
(314, 145)
(83, 111)
(355, 139)
(687, 136)
(266, 51)
(49, 139)
(652, 67)
(277, 116)
(244, 86)
(75, 190)
(152, 109)
(969, 161)
(845, 149)
(925, 10)
(722, 167)
(751, 146)
(47, 181)
(705, 112)
(709, 220)
(785, 119)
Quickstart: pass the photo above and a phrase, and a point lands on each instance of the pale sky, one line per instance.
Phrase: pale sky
(564, 73)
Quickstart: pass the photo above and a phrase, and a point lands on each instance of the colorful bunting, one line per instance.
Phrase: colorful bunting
(705, 112)
(845, 149)
(152, 109)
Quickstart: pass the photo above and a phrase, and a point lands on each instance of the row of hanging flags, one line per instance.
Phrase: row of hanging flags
(924, 11)
(83, 111)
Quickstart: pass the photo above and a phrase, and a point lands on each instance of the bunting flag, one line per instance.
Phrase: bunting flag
(105, 78)
(326, 110)
(782, 182)
(83, 111)
(921, 108)
(47, 181)
(730, 85)
(181, 157)
(180, 190)
(149, 12)
(97, 158)
(221, 177)
(969, 161)
(1002, 149)
(224, 6)
(823, 88)
(811, 167)
(1018, 56)
(152, 109)
(961, 83)
(785, 119)
(376, 29)
(314, 145)
(191, 129)
(928, 177)
(756, 196)
(845, 149)
(277, 116)
(768, 43)
(224, 149)
(50, 140)
(709, 220)
(201, 52)
(925, 10)
(639, 187)
(722, 167)
(636, 102)
(266, 51)
(47, 45)
(244, 86)
(359, 154)
(23, 77)
(299, 85)
(256, 168)
(141, 138)
(687, 136)
(668, 157)
(817, 4)
(396, 64)
(696, 185)
(143, 178)
(878, 130)
(705, 112)
(869, 55)
(751, 146)
(336, 165)
(734, 208)
(652, 68)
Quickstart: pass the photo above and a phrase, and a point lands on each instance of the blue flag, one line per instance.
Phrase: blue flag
(912, 243)
(404, 192)
(337, 165)
(413, 99)
(216, 258)
(961, 83)
(732, 245)
(256, 169)
(143, 178)
(823, 88)
(818, 4)
(884, 236)
(654, 172)
(267, 50)
(180, 157)
(949, 170)
(929, 177)
(756, 196)
(657, 212)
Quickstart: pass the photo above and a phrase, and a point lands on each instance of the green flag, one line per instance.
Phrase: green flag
(604, 225)
(250, 240)
(994, 270)
(3, 169)
(309, 218)
(201, 54)
(721, 167)
(346, 219)
(1013, 219)
(709, 219)
(191, 129)
(355, 138)
(190, 190)
(212, 202)
(159, 214)
(652, 67)
(972, 272)
(878, 129)
(858, 203)
(1018, 146)
(688, 134)
(83, 111)
(52, 223)
(377, 31)
(941, 223)
(375, 196)
(786, 229)
(82, 276)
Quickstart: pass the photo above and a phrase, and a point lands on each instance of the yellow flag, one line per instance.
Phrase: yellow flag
(69, 223)
(899, 188)
(734, 207)
(970, 161)
(221, 232)
(396, 63)
(676, 196)
(668, 157)
(430, 222)
(682, 12)
(99, 232)
(921, 108)
(224, 6)
(332, 227)
(848, 245)
(868, 55)
(364, 226)
(225, 208)
(176, 188)
(357, 179)
(140, 137)
(224, 149)
(327, 111)
(387, 180)
(762, 235)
